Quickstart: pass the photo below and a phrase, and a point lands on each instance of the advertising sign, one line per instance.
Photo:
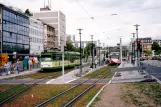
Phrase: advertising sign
(3, 59)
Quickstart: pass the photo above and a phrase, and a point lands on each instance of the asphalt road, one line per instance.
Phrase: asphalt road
(153, 67)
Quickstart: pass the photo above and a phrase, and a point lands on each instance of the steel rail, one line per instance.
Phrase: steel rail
(83, 92)
(63, 92)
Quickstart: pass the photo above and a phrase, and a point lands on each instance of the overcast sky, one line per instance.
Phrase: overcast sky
(104, 27)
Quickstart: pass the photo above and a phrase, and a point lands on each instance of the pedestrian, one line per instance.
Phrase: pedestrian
(95, 63)
(18, 66)
(6, 66)
(29, 63)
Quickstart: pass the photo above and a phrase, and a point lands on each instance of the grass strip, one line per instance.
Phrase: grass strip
(36, 95)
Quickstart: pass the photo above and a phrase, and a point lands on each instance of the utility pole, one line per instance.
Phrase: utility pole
(133, 44)
(62, 60)
(80, 50)
(138, 57)
(120, 50)
(99, 52)
(92, 49)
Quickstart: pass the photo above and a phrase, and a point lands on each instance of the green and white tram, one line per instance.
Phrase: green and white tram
(53, 60)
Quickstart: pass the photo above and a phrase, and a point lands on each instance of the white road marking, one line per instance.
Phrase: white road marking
(50, 81)
(71, 80)
(97, 94)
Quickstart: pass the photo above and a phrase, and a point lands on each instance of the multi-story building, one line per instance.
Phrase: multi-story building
(36, 36)
(49, 37)
(15, 31)
(146, 44)
(57, 20)
(70, 38)
(83, 43)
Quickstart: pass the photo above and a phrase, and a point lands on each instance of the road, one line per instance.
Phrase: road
(153, 67)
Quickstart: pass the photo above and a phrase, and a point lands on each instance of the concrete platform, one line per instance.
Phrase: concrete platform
(71, 76)
(21, 73)
(128, 76)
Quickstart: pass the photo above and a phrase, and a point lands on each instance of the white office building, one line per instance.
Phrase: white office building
(36, 35)
(57, 20)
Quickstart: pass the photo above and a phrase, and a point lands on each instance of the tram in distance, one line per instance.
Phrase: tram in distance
(114, 58)
(53, 60)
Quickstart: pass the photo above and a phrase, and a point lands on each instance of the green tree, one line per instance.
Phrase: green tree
(76, 49)
(69, 46)
(156, 47)
(148, 52)
(88, 49)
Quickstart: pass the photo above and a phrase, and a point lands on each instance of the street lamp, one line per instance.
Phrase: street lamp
(99, 51)
(80, 50)
(133, 47)
(92, 49)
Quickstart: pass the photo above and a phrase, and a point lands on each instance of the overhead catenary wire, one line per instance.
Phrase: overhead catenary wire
(128, 12)
(91, 17)
(84, 9)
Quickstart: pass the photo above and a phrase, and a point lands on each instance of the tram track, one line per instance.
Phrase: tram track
(75, 86)
(25, 89)
(69, 103)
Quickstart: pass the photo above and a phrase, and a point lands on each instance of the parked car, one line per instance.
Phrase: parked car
(154, 58)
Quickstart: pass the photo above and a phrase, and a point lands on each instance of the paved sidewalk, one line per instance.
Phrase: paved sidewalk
(21, 73)
(128, 76)
(69, 77)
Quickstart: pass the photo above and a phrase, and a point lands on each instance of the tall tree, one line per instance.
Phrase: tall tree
(69, 46)
(155, 46)
(88, 49)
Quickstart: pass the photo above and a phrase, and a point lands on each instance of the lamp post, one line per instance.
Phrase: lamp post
(99, 52)
(138, 58)
(120, 50)
(92, 49)
(80, 50)
(133, 47)
(62, 46)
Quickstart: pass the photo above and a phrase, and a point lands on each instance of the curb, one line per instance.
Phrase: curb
(20, 74)
(156, 79)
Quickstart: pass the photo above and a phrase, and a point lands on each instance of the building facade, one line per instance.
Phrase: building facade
(14, 31)
(146, 44)
(56, 19)
(36, 36)
(49, 37)
(83, 43)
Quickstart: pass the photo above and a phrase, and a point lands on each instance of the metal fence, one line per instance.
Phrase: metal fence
(12, 69)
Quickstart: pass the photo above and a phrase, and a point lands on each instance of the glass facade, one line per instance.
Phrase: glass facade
(15, 32)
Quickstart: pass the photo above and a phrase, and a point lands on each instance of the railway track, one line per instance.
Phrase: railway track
(69, 104)
(25, 89)
(75, 86)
